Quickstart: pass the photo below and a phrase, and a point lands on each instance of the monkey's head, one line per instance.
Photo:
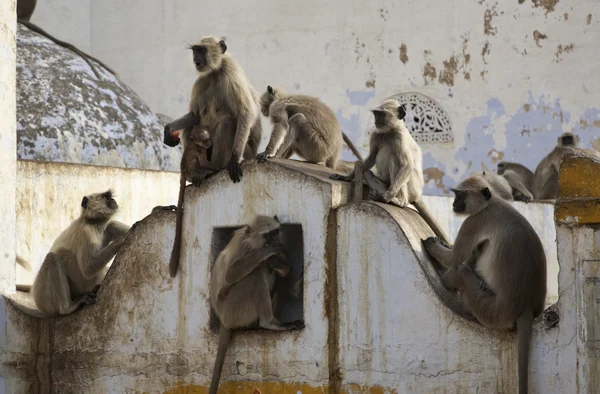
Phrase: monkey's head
(501, 168)
(568, 140)
(264, 230)
(99, 207)
(388, 112)
(208, 54)
(270, 95)
(471, 195)
(199, 136)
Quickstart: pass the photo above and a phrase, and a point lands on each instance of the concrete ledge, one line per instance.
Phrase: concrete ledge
(579, 188)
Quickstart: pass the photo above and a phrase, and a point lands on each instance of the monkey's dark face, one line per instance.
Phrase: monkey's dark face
(200, 57)
(200, 137)
(470, 201)
(501, 168)
(567, 140)
(100, 206)
(382, 118)
(274, 237)
(460, 201)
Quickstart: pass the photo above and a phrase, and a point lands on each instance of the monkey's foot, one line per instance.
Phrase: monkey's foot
(340, 177)
(262, 157)
(295, 325)
(434, 240)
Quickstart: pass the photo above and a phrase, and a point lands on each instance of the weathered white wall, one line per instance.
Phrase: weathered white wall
(49, 199)
(511, 76)
(8, 139)
(67, 20)
(539, 215)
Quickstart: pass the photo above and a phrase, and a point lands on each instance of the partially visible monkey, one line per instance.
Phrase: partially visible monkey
(25, 9)
(302, 125)
(545, 177)
(398, 160)
(193, 161)
(510, 260)
(224, 101)
(242, 281)
(76, 264)
(498, 184)
(520, 179)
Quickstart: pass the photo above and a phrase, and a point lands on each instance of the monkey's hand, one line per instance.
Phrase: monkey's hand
(453, 278)
(168, 138)
(262, 157)
(434, 240)
(234, 168)
(340, 177)
(296, 325)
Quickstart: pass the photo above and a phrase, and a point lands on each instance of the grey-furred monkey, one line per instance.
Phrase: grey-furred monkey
(242, 281)
(76, 264)
(520, 179)
(545, 177)
(302, 125)
(498, 184)
(398, 160)
(195, 167)
(508, 258)
(224, 101)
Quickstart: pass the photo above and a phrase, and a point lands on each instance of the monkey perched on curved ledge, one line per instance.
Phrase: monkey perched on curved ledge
(242, 282)
(224, 101)
(497, 264)
(302, 125)
(545, 177)
(72, 271)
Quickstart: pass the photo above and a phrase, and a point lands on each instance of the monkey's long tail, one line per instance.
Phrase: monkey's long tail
(73, 48)
(224, 339)
(524, 326)
(27, 310)
(176, 252)
(430, 220)
(348, 142)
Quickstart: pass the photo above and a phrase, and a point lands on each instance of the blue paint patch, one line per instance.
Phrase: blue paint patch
(358, 97)
(351, 127)
(437, 187)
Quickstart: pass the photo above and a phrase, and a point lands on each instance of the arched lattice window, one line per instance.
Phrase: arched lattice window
(425, 118)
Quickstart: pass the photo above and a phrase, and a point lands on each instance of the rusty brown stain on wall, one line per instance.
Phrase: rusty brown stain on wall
(467, 76)
(403, 53)
(566, 16)
(527, 107)
(429, 73)
(370, 83)
(449, 71)
(589, 19)
(488, 29)
(537, 36)
(485, 51)
(496, 156)
(436, 175)
(584, 124)
(548, 5)
(563, 49)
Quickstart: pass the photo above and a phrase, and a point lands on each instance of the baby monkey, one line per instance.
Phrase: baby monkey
(195, 167)
(242, 282)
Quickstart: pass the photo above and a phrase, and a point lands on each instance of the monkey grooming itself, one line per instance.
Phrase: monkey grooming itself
(510, 260)
(224, 101)
(498, 184)
(520, 179)
(242, 282)
(398, 160)
(76, 264)
(545, 177)
(193, 162)
(302, 125)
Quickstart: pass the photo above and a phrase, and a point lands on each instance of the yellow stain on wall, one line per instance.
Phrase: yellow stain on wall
(578, 211)
(579, 176)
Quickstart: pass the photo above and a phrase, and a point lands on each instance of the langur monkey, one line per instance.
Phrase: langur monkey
(545, 177)
(399, 161)
(223, 101)
(193, 161)
(508, 258)
(498, 184)
(25, 9)
(302, 125)
(242, 282)
(72, 271)
(520, 179)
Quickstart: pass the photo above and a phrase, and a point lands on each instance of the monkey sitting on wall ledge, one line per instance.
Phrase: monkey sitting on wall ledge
(72, 272)
(242, 283)
(497, 264)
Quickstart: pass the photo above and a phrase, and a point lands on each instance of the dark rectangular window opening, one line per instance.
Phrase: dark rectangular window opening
(289, 308)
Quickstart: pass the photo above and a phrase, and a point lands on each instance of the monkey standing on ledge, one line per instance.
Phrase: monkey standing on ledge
(302, 125)
(224, 101)
(242, 282)
(508, 259)
(72, 272)
(399, 163)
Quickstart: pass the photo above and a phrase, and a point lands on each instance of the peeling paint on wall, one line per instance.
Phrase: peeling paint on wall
(537, 36)
(548, 5)
(403, 53)
(563, 49)
(488, 15)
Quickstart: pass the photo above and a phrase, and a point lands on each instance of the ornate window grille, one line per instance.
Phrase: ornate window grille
(425, 118)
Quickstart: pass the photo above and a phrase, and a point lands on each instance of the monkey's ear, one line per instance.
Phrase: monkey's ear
(276, 218)
(270, 89)
(401, 112)
(84, 202)
(453, 190)
(486, 193)
(223, 46)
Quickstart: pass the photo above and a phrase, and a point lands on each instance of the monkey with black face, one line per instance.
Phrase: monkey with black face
(242, 281)
(545, 177)
(302, 125)
(398, 160)
(195, 167)
(520, 179)
(223, 101)
(76, 264)
(510, 260)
